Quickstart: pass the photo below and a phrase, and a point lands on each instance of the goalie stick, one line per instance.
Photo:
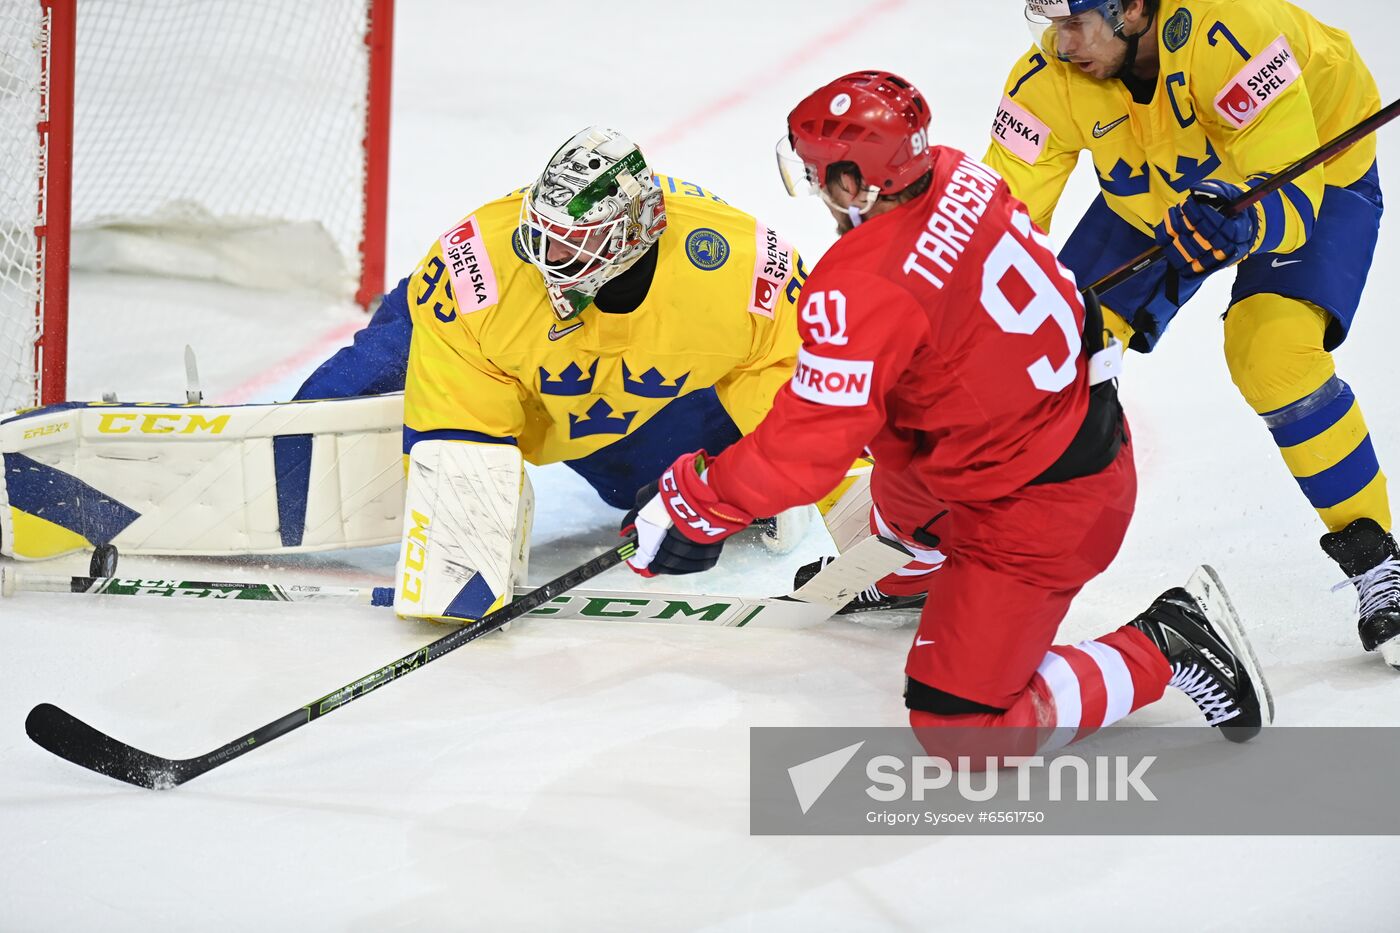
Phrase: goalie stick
(716, 611)
(1155, 254)
(790, 610)
(70, 738)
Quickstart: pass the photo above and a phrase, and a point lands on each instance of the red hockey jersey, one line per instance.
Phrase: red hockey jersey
(944, 337)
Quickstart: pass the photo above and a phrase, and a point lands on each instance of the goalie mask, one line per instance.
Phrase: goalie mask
(593, 212)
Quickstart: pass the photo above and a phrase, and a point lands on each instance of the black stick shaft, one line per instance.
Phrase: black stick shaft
(428, 653)
(70, 738)
(1249, 198)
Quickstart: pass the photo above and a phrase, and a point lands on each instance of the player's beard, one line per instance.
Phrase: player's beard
(1120, 61)
(1107, 70)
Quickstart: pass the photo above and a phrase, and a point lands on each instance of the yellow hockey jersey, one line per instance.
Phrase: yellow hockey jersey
(490, 360)
(1245, 88)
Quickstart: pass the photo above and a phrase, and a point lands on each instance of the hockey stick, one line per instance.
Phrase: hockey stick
(15, 581)
(859, 566)
(1304, 165)
(576, 605)
(69, 737)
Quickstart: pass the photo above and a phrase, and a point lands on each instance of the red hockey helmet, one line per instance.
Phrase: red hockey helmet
(875, 119)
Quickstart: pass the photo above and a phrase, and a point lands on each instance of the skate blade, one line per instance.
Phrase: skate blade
(1205, 585)
(1391, 652)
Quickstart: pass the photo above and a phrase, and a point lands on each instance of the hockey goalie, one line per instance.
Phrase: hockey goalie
(607, 317)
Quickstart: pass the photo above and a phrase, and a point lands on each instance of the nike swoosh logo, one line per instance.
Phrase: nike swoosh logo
(1279, 265)
(920, 642)
(1101, 131)
(555, 333)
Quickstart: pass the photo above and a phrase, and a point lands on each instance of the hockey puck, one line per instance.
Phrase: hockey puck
(104, 561)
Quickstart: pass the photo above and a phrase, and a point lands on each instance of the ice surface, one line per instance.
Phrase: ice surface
(593, 776)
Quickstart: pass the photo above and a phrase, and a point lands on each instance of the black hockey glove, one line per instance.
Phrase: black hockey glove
(676, 554)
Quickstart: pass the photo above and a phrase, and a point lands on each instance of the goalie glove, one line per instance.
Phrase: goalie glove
(680, 524)
(1200, 238)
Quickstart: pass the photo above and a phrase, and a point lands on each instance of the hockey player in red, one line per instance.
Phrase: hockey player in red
(940, 334)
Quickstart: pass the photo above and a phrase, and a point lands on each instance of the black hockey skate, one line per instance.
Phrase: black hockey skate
(1371, 560)
(1198, 632)
(869, 599)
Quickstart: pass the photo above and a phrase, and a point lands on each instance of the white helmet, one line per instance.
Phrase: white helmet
(594, 211)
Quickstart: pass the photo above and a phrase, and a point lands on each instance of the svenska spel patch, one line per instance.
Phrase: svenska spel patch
(473, 279)
(771, 268)
(1263, 79)
(1019, 130)
(1049, 8)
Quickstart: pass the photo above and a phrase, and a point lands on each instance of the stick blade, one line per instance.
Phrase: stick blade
(70, 738)
(841, 580)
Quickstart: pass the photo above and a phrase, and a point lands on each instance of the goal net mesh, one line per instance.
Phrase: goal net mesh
(212, 139)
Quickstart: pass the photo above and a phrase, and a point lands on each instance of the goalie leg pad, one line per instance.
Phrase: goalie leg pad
(466, 530)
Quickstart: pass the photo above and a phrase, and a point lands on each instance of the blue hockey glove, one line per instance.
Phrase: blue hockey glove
(1199, 237)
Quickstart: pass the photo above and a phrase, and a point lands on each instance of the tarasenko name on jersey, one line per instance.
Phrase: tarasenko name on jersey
(954, 220)
(846, 383)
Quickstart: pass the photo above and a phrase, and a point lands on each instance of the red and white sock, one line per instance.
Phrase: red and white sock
(1077, 690)
(1096, 683)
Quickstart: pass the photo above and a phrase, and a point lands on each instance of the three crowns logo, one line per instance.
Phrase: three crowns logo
(652, 384)
(599, 420)
(1190, 171)
(570, 382)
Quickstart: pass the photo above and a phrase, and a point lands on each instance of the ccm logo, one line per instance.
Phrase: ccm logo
(155, 423)
(678, 507)
(415, 557)
(840, 383)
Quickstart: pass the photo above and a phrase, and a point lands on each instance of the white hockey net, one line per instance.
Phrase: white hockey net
(216, 139)
(21, 29)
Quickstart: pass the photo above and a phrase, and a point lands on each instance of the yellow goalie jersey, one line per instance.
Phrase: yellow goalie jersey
(1245, 88)
(490, 361)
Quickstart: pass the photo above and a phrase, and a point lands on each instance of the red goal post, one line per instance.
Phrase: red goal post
(241, 140)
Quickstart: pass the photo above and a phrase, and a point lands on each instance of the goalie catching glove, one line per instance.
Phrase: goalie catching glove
(680, 524)
(1200, 237)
